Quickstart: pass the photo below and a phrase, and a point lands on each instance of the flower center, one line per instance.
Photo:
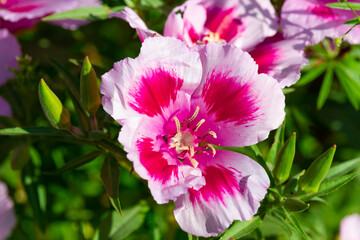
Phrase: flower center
(213, 37)
(3, 2)
(187, 142)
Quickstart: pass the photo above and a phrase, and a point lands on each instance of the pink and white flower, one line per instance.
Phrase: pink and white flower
(242, 23)
(176, 104)
(20, 14)
(350, 227)
(313, 20)
(7, 215)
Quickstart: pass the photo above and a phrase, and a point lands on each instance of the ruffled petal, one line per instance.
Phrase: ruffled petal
(243, 23)
(7, 215)
(315, 21)
(135, 22)
(238, 104)
(150, 83)
(281, 59)
(10, 50)
(235, 185)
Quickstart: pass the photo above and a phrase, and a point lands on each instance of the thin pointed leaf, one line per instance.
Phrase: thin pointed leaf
(276, 146)
(351, 86)
(295, 205)
(85, 13)
(75, 163)
(330, 186)
(241, 228)
(17, 131)
(325, 88)
(353, 21)
(311, 75)
(343, 168)
(291, 219)
(343, 5)
(110, 175)
(132, 219)
(84, 122)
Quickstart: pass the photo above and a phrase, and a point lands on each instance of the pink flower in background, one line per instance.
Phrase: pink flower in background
(313, 20)
(243, 23)
(350, 227)
(9, 49)
(7, 215)
(20, 14)
(175, 105)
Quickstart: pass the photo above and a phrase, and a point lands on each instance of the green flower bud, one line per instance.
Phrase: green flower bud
(58, 116)
(311, 180)
(89, 91)
(285, 159)
(295, 205)
(338, 41)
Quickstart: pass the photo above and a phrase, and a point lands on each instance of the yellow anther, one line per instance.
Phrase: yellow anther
(212, 148)
(213, 37)
(194, 162)
(192, 151)
(212, 133)
(194, 115)
(177, 122)
(199, 124)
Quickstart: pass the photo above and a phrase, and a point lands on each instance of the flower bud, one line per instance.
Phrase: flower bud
(311, 180)
(58, 116)
(89, 91)
(285, 159)
(338, 41)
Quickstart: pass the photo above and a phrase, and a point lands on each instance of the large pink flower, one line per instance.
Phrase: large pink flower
(243, 23)
(7, 215)
(19, 14)
(175, 105)
(313, 20)
(350, 227)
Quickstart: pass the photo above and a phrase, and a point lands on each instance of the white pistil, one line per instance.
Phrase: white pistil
(212, 148)
(198, 125)
(212, 133)
(194, 115)
(177, 122)
(192, 151)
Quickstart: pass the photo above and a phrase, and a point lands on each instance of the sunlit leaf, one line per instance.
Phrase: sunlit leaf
(343, 5)
(312, 75)
(241, 228)
(85, 13)
(343, 168)
(30, 131)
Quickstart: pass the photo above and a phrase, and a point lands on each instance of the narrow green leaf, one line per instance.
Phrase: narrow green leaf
(276, 146)
(75, 163)
(311, 75)
(351, 87)
(330, 186)
(285, 159)
(325, 88)
(20, 157)
(247, 151)
(17, 131)
(132, 219)
(83, 119)
(110, 175)
(295, 205)
(89, 91)
(241, 228)
(312, 178)
(291, 219)
(352, 21)
(343, 168)
(31, 185)
(85, 13)
(343, 5)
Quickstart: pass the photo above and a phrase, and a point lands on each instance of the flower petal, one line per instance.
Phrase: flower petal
(7, 215)
(135, 22)
(237, 103)
(280, 59)
(243, 23)
(5, 109)
(10, 50)
(235, 185)
(148, 84)
(349, 227)
(311, 18)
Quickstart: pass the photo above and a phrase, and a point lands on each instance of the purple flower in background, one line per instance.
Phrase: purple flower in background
(9, 49)
(313, 20)
(7, 215)
(243, 23)
(350, 227)
(175, 105)
(20, 14)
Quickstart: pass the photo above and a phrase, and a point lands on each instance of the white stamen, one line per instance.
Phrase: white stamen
(194, 162)
(199, 124)
(194, 115)
(177, 122)
(212, 148)
(212, 133)
(192, 151)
